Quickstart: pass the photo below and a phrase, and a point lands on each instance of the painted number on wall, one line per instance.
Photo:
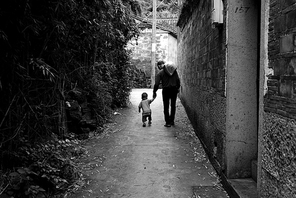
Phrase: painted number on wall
(242, 9)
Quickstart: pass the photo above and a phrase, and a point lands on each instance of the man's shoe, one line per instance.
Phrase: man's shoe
(173, 123)
(149, 123)
(144, 125)
(167, 125)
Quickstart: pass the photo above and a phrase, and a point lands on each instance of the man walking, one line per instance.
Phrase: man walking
(170, 80)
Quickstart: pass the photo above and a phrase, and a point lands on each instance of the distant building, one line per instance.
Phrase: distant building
(166, 45)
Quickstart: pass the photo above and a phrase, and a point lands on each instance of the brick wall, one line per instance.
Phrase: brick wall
(281, 93)
(201, 60)
(279, 131)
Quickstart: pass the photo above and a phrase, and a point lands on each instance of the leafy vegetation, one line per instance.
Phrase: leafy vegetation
(165, 8)
(55, 55)
(48, 50)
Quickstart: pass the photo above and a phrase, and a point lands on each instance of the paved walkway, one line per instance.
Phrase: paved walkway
(129, 160)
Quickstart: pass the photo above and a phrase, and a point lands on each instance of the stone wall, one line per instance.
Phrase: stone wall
(278, 178)
(279, 129)
(201, 60)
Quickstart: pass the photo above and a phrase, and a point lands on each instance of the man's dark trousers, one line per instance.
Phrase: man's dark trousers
(169, 95)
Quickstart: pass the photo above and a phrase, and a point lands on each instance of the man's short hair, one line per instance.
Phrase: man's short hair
(170, 63)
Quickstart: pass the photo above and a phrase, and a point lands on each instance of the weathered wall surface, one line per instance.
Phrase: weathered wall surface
(278, 177)
(166, 48)
(172, 49)
(241, 87)
(201, 60)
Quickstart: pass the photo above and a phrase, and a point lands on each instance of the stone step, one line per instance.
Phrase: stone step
(244, 188)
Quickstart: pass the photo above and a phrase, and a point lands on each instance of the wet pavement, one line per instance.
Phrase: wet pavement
(129, 160)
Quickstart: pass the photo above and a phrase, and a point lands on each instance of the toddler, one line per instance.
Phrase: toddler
(146, 111)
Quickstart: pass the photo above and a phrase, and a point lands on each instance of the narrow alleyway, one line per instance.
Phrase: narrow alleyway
(129, 160)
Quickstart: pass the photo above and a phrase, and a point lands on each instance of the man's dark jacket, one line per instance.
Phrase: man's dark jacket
(169, 78)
